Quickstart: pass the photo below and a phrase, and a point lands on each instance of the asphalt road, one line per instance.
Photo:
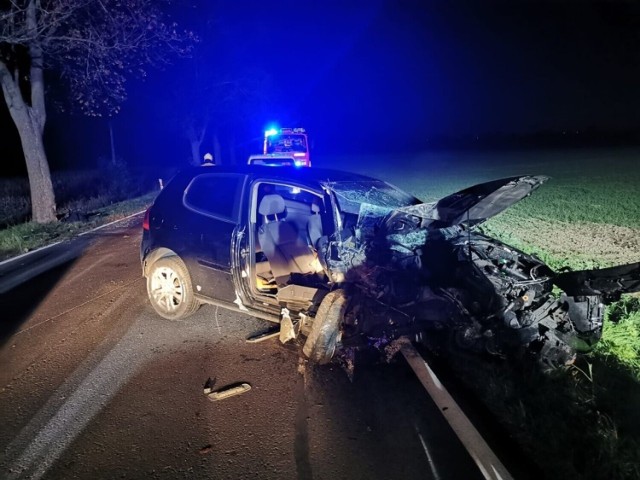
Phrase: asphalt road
(94, 385)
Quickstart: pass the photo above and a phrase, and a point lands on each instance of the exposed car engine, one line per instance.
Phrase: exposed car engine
(403, 276)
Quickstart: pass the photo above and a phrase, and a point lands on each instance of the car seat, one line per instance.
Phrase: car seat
(314, 225)
(286, 251)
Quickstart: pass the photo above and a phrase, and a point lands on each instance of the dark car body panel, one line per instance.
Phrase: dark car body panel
(214, 248)
(605, 281)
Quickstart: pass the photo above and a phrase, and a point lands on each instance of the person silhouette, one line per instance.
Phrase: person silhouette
(208, 160)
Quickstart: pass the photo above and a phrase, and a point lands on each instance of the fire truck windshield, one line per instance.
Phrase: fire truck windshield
(286, 143)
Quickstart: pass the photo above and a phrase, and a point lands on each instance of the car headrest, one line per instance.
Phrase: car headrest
(271, 205)
(315, 208)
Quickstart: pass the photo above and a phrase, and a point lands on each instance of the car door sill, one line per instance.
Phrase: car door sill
(234, 307)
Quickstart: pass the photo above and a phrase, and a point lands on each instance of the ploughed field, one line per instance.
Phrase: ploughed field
(586, 216)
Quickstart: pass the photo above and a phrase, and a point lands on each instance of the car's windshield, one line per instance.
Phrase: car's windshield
(351, 195)
(286, 143)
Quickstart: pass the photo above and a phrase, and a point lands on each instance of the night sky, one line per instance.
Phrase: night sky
(382, 76)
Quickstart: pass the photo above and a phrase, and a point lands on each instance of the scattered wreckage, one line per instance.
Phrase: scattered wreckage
(425, 267)
(351, 262)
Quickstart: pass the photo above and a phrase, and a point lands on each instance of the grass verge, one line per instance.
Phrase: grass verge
(582, 422)
(569, 422)
(30, 236)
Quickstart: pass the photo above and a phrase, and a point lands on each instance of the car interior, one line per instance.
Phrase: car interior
(288, 225)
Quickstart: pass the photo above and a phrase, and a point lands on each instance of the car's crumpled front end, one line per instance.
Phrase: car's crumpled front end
(423, 268)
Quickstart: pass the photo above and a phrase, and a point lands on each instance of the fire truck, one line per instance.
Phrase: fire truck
(288, 142)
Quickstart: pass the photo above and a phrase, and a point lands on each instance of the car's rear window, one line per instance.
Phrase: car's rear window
(217, 195)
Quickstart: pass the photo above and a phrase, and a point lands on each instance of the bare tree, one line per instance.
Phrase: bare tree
(217, 105)
(92, 46)
(195, 103)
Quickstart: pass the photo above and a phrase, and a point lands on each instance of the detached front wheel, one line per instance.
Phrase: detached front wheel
(169, 289)
(325, 332)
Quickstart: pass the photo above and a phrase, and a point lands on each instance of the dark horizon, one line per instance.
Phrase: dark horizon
(383, 76)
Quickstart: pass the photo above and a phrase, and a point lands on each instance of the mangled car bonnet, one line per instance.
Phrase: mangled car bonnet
(476, 204)
(610, 282)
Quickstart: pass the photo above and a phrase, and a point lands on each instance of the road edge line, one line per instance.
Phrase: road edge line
(111, 223)
(12, 259)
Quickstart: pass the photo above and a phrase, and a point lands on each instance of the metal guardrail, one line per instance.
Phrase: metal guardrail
(490, 466)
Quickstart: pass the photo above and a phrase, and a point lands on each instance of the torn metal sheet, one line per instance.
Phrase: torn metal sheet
(264, 335)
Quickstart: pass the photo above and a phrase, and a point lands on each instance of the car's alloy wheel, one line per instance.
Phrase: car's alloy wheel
(169, 289)
(325, 332)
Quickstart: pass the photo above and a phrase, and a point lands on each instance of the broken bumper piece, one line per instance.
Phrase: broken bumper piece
(230, 391)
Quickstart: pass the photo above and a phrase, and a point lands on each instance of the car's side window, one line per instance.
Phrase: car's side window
(296, 200)
(216, 195)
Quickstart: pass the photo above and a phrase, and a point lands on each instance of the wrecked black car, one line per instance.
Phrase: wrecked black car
(345, 262)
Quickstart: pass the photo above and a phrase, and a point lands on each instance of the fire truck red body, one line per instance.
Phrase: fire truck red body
(288, 142)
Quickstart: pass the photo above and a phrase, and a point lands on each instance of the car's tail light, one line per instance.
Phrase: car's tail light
(145, 221)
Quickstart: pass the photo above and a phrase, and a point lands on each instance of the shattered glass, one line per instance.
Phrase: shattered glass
(369, 218)
(350, 195)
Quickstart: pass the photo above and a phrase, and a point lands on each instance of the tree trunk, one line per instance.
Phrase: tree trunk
(195, 134)
(113, 144)
(43, 202)
(30, 119)
(196, 159)
(30, 125)
(232, 150)
(217, 149)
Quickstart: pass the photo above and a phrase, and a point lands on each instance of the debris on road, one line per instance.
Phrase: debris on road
(264, 335)
(226, 392)
(287, 331)
(208, 385)
(204, 450)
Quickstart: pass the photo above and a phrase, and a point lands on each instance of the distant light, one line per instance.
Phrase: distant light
(298, 154)
(270, 132)
(295, 190)
(299, 163)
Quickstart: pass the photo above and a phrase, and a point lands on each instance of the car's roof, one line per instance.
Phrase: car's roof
(312, 176)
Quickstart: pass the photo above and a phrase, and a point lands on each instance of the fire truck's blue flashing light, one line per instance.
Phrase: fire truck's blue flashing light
(270, 132)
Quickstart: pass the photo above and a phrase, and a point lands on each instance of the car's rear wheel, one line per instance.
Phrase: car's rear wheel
(325, 332)
(169, 289)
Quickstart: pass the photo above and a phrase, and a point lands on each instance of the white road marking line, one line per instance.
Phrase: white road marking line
(58, 243)
(30, 252)
(74, 405)
(217, 323)
(487, 461)
(432, 465)
(84, 395)
(111, 223)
